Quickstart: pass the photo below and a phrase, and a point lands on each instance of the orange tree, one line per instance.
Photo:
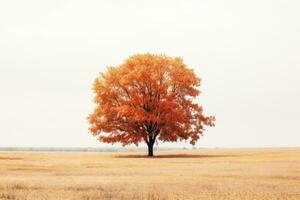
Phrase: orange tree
(148, 98)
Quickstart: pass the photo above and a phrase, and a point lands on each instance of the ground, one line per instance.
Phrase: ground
(262, 174)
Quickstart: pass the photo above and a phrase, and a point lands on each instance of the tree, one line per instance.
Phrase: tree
(146, 98)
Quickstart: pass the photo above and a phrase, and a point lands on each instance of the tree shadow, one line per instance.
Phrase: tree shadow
(10, 158)
(178, 156)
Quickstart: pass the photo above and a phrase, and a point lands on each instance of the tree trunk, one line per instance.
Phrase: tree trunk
(150, 149)
(150, 142)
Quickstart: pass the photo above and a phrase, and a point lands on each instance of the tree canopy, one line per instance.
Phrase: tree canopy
(147, 98)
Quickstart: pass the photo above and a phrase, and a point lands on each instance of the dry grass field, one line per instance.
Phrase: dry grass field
(188, 174)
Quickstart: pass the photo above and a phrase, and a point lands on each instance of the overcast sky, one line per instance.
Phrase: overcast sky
(246, 52)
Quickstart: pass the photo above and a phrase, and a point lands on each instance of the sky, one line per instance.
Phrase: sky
(246, 53)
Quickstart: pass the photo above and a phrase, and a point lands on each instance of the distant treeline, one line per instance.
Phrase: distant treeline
(61, 149)
(75, 149)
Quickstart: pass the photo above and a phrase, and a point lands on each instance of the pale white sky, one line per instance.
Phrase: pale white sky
(246, 52)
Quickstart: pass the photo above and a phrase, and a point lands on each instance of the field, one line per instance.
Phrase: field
(186, 174)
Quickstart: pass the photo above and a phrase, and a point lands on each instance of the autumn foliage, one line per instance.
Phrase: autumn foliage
(148, 98)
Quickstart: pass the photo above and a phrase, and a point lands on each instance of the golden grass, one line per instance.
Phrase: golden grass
(262, 174)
